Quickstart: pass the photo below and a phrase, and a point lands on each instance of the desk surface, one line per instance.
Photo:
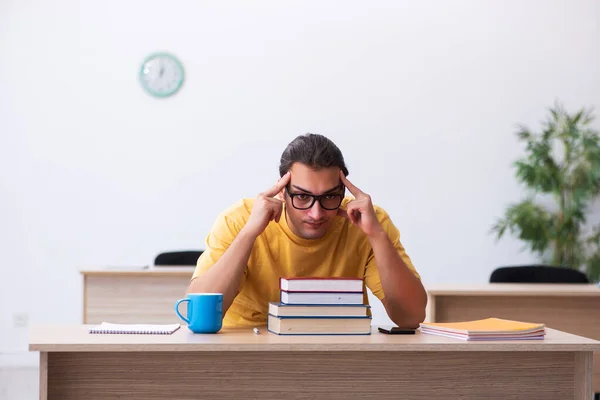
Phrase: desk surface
(235, 363)
(514, 289)
(141, 271)
(72, 338)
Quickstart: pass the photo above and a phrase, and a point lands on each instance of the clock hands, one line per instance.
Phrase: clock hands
(162, 69)
(161, 75)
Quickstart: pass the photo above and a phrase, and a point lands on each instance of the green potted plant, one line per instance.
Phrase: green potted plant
(561, 165)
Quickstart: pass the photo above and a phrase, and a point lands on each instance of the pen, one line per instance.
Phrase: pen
(256, 331)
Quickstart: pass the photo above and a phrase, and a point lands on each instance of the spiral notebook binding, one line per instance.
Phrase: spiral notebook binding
(134, 329)
(136, 332)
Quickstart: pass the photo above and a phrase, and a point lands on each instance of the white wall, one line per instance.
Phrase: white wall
(422, 98)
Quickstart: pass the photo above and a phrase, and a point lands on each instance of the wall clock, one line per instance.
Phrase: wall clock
(161, 74)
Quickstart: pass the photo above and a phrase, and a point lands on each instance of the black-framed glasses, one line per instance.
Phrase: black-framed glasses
(304, 201)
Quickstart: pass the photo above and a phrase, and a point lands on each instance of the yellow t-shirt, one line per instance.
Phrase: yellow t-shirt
(343, 252)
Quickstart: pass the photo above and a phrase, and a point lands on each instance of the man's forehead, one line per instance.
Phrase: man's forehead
(314, 180)
(317, 188)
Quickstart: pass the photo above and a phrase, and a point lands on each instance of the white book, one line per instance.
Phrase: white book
(319, 325)
(318, 310)
(317, 284)
(321, 298)
(107, 327)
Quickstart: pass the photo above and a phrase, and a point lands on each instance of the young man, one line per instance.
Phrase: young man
(305, 226)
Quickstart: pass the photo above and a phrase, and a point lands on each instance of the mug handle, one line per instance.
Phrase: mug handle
(187, 321)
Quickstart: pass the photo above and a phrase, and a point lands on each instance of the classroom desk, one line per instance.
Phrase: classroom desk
(235, 364)
(145, 296)
(569, 308)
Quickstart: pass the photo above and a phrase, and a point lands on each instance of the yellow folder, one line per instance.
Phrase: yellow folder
(488, 325)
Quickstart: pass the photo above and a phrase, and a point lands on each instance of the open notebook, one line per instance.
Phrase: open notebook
(107, 327)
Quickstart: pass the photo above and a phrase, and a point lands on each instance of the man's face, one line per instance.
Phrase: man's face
(314, 222)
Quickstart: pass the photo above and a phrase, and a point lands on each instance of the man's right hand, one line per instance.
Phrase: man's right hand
(226, 275)
(266, 207)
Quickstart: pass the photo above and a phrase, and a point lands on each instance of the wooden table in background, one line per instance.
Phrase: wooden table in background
(144, 296)
(573, 308)
(236, 364)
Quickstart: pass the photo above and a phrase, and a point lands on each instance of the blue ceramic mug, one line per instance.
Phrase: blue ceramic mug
(204, 312)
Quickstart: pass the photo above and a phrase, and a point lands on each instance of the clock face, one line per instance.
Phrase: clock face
(161, 74)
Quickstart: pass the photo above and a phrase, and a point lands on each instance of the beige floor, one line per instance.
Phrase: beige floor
(19, 383)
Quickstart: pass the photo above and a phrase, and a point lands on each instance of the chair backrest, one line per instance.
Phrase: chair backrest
(537, 274)
(188, 257)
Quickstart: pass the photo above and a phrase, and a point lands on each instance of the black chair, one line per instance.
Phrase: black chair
(188, 257)
(537, 274)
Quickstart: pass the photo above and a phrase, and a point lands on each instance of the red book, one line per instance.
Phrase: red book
(317, 284)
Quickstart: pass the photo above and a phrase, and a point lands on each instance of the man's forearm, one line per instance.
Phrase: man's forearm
(226, 275)
(405, 298)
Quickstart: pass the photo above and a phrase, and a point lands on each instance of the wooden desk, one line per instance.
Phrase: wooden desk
(235, 364)
(145, 296)
(569, 308)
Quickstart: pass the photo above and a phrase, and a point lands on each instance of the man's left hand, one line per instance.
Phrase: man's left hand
(360, 211)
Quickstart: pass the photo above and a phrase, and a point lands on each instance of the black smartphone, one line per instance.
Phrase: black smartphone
(394, 330)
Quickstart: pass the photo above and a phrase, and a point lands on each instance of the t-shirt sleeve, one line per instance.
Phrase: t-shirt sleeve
(372, 279)
(224, 230)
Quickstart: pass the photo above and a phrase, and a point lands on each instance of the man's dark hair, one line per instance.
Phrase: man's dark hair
(314, 150)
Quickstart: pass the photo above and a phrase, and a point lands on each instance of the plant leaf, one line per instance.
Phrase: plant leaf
(562, 160)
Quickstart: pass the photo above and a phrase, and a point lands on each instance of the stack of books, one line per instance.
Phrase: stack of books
(320, 306)
(487, 329)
